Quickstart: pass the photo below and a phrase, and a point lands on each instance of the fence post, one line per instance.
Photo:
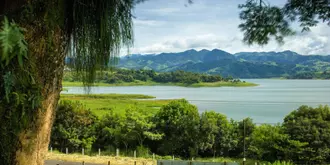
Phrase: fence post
(66, 150)
(117, 152)
(83, 151)
(134, 162)
(83, 163)
(134, 154)
(153, 156)
(109, 162)
(99, 152)
(225, 163)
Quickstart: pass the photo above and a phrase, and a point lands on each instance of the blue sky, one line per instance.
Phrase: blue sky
(174, 26)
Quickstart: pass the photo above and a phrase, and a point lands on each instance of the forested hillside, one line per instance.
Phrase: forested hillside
(239, 65)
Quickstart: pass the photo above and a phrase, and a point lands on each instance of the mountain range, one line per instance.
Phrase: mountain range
(239, 65)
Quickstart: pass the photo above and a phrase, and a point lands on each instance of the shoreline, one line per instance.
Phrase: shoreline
(141, 83)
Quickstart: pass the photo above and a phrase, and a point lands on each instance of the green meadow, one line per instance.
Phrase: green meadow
(101, 104)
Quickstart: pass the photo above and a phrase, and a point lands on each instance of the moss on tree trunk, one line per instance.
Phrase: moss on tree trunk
(50, 64)
(26, 142)
(95, 30)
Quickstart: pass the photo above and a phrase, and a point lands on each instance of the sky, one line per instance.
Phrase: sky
(175, 26)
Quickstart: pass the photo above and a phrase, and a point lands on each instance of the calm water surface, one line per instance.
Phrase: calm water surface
(269, 102)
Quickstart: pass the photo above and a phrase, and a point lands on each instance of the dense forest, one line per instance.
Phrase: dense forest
(310, 75)
(179, 129)
(117, 75)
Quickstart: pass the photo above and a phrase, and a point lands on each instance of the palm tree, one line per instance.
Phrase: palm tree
(43, 34)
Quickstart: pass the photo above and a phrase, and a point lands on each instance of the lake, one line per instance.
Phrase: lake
(269, 102)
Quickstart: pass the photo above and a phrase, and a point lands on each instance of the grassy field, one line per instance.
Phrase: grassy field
(100, 104)
(238, 160)
(224, 84)
(130, 160)
(150, 83)
(99, 159)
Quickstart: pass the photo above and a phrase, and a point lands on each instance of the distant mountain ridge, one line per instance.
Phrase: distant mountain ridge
(241, 65)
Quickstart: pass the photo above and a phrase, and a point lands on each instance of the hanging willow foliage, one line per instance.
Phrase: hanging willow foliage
(98, 29)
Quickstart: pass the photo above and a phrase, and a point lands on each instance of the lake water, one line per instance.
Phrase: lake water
(269, 102)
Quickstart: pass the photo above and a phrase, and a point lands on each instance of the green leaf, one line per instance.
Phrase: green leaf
(20, 60)
(12, 43)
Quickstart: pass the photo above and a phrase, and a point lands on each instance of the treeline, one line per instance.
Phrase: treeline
(310, 75)
(178, 129)
(124, 75)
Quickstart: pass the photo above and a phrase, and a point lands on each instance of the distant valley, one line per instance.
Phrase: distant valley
(240, 65)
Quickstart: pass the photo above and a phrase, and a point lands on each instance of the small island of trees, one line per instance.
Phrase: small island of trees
(150, 77)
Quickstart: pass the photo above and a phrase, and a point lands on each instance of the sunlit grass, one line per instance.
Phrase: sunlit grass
(224, 84)
(105, 96)
(237, 160)
(99, 159)
(101, 104)
(139, 160)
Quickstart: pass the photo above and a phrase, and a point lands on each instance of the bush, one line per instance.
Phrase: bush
(280, 163)
(142, 151)
(73, 127)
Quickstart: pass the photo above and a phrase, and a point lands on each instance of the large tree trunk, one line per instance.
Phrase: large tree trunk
(34, 142)
(50, 65)
(46, 39)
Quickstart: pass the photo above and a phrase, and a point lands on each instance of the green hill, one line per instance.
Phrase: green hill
(239, 65)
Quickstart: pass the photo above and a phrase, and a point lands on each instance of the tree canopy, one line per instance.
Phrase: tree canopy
(262, 22)
(178, 129)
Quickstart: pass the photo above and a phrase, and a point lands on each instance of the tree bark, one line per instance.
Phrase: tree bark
(50, 65)
(34, 142)
(46, 47)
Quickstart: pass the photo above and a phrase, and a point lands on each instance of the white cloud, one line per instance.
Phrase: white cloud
(314, 42)
(139, 22)
(164, 11)
(168, 27)
(307, 44)
(180, 44)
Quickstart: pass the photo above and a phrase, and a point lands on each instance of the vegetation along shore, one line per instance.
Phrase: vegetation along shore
(125, 77)
(175, 127)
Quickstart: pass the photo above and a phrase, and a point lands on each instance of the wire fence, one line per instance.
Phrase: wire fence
(104, 152)
(132, 157)
(182, 162)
